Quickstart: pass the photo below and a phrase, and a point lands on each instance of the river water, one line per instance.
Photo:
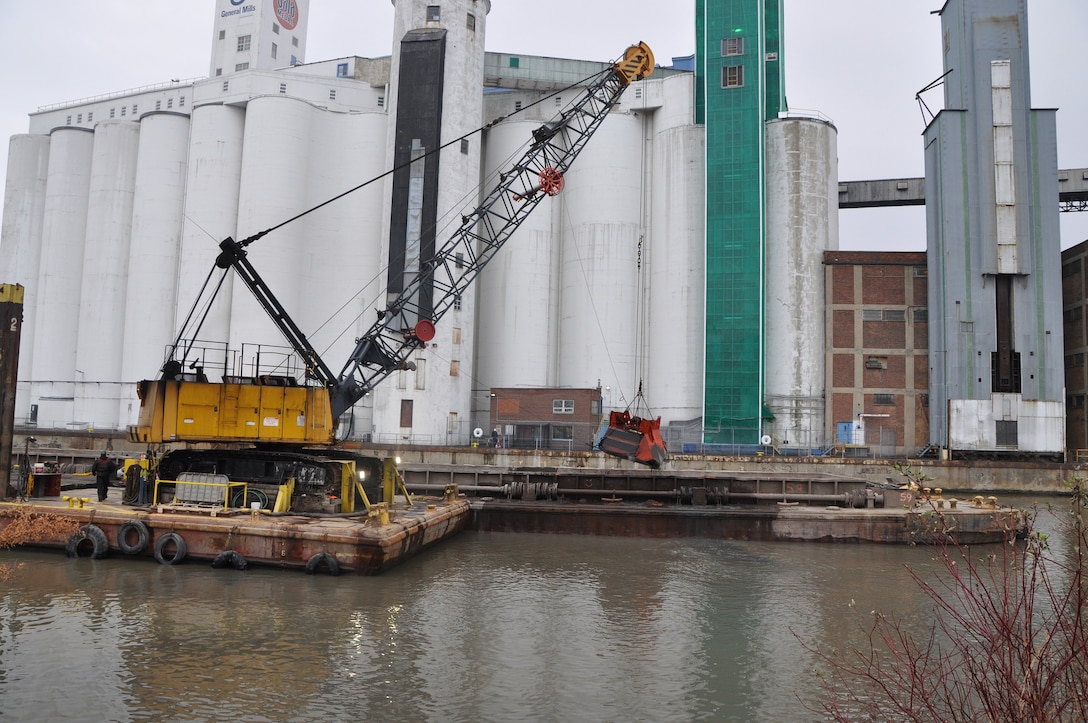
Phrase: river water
(486, 627)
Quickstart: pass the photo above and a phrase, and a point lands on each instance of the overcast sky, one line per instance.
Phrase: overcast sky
(859, 63)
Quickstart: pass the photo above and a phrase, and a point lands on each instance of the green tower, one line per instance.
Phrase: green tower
(738, 86)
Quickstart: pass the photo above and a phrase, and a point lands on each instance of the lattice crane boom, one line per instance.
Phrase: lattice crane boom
(408, 322)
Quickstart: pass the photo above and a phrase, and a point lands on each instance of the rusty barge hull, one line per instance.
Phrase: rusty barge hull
(357, 544)
(766, 523)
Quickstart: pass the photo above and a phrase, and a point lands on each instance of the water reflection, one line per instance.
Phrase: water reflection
(488, 627)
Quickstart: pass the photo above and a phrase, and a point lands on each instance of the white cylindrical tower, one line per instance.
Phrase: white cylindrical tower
(599, 329)
(99, 345)
(343, 238)
(21, 238)
(675, 308)
(516, 327)
(802, 222)
(213, 174)
(60, 275)
(276, 163)
(436, 97)
(153, 252)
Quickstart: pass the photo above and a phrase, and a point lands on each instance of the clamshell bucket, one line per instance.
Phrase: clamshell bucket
(634, 438)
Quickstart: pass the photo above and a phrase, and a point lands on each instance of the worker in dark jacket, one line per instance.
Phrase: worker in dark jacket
(103, 469)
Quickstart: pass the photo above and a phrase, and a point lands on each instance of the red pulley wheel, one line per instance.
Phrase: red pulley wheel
(551, 181)
(424, 330)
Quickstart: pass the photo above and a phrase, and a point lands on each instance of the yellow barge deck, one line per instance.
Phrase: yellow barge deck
(327, 543)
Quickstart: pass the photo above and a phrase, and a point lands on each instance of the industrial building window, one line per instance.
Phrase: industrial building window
(517, 105)
(872, 315)
(1074, 360)
(562, 406)
(1006, 433)
(276, 28)
(68, 121)
(240, 67)
(456, 334)
(294, 40)
(381, 101)
(515, 62)
(421, 373)
(733, 76)
(967, 327)
(558, 102)
(457, 303)
(406, 413)
(169, 102)
(341, 70)
(1073, 267)
(884, 400)
(921, 271)
(222, 34)
(181, 102)
(243, 42)
(921, 315)
(1075, 401)
(1071, 315)
(402, 379)
(135, 109)
(563, 432)
(332, 93)
(218, 72)
(470, 22)
(283, 87)
(455, 368)
(90, 117)
(123, 109)
(226, 85)
(464, 145)
(459, 260)
(79, 118)
(733, 46)
(434, 13)
(158, 105)
(111, 112)
(275, 50)
(294, 60)
(895, 315)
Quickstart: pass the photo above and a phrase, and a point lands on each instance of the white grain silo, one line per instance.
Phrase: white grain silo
(601, 222)
(802, 222)
(676, 255)
(24, 205)
(341, 284)
(211, 213)
(516, 328)
(275, 166)
(60, 274)
(152, 262)
(99, 344)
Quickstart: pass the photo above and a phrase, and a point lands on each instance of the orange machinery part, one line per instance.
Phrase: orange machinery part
(634, 438)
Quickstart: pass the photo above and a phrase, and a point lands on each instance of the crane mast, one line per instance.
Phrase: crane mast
(405, 324)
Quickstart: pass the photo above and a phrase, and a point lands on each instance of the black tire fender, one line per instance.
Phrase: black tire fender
(230, 558)
(77, 543)
(143, 537)
(323, 558)
(180, 550)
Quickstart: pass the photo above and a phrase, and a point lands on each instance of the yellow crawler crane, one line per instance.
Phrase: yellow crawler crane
(282, 415)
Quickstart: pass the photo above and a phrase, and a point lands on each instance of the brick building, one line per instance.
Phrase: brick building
(1074, 293)
(877, 391)
(549, 418)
